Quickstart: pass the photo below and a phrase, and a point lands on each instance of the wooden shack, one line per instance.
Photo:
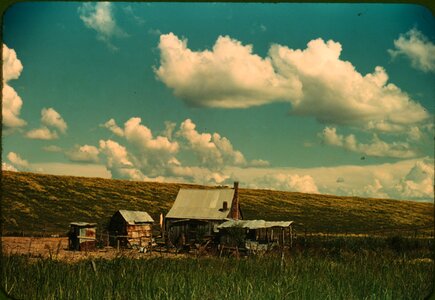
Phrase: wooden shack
(132, 229)
(255, 235)
(82, 236)
(196, 213)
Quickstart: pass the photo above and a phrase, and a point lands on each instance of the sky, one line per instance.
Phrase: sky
(316, 98)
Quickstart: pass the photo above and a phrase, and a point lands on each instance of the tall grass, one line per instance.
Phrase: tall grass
(300, 276)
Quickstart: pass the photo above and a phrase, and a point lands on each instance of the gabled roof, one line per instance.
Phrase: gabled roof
(134, 217)
(255, 224)
(201, 204)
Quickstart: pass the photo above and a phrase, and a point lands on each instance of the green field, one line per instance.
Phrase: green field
(346, 275)
(345, 247)
(35, 204)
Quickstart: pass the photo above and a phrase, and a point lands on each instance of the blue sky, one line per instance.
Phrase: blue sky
(320, 98)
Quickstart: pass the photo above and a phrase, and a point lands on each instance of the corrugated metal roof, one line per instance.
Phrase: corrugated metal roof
(83, 224)
(254, 224)
(201, 204)
(133, 216)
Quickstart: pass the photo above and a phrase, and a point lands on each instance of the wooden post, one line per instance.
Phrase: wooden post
(117, 243)
(283, 237)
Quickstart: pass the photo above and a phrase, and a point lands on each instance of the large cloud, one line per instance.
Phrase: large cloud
(376, 147)
(417, 47)
(11, 102)
(99, 17)
(229, 76)
(315, 81)
(153, 156)
(156, 156)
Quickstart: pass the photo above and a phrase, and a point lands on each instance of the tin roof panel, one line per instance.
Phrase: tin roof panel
(133, 216)
(254, 224)
(201, 204)
(83, 224)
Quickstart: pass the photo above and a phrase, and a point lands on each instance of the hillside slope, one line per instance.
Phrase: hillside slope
(36, 203)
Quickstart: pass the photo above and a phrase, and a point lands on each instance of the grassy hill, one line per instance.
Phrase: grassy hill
(36, 203)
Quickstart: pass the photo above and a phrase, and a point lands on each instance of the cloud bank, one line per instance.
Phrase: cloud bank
(212, 159)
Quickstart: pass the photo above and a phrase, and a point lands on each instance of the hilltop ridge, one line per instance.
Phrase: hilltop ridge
(37, 203)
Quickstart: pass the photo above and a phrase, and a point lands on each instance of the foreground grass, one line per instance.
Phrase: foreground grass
(301, 276)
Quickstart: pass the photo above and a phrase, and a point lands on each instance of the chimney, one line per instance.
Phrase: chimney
(235, 213)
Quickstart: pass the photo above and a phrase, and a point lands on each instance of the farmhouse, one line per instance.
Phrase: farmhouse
(196, 213)
(129, 228)
(82, 236)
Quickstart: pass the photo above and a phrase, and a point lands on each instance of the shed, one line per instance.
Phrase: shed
(82, 236)
(196, 213)
(131, 228)
(255, 234)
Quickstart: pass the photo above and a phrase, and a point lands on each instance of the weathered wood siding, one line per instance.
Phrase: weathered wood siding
(139, 234)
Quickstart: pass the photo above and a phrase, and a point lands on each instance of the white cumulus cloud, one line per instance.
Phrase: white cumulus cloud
(419, 182)
(11, 101)
(51, 118)
(212, 150)
(410, 179)
(418, 48)
(314, 80)
(99, 17)
(153, 153)
(117, 161)
(51, 122)
(42, 133)
(335, 92)
(229, 76)
(113, 127)
(8, 167)
(85, 153)
(376, 147)
(288, 182)
(18, 162)
(12, 66)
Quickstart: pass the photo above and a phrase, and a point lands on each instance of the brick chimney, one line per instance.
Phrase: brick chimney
(235, 209)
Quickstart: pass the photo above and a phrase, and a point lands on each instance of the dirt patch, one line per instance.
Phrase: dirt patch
(57, 249)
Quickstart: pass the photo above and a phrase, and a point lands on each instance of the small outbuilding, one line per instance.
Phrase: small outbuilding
(129, 228)
(196, 213)
(82, 236)
(255, 235)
